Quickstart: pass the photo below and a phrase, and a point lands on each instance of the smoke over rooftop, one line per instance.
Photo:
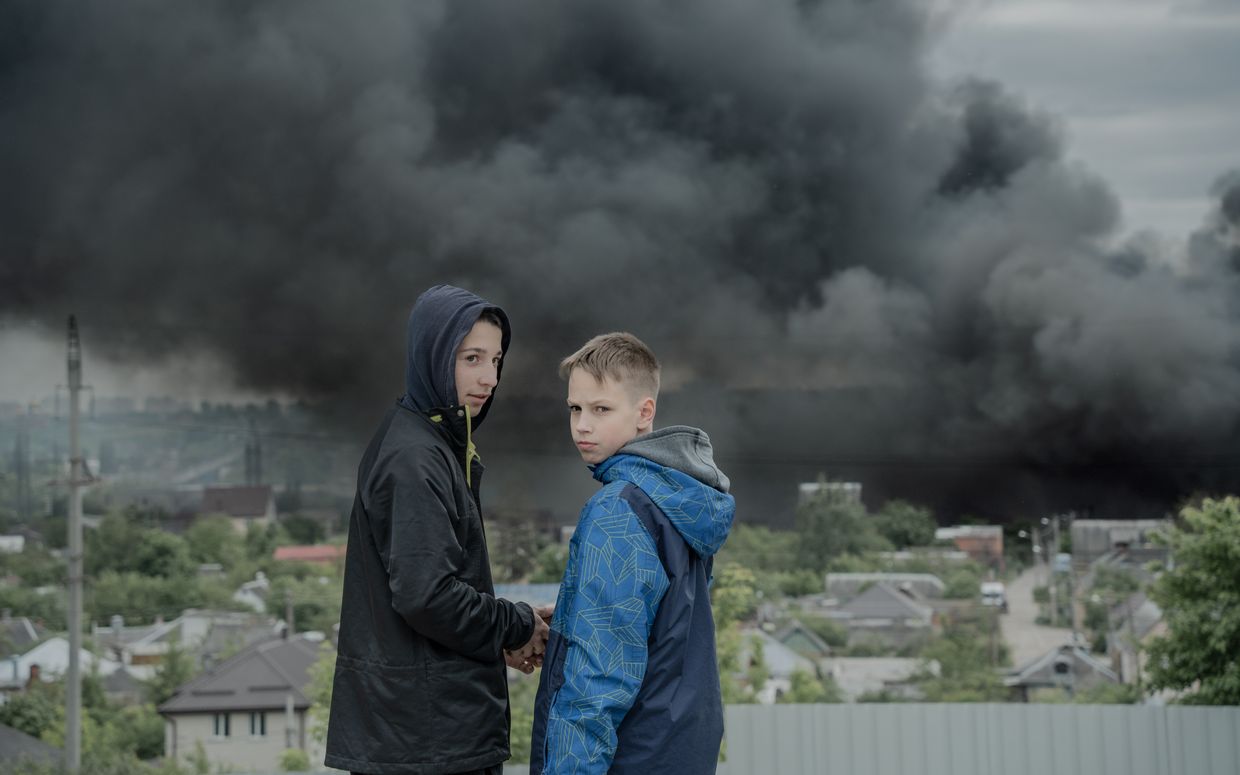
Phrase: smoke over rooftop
(776, 196)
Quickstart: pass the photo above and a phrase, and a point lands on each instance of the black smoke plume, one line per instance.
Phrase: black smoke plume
(845, 266)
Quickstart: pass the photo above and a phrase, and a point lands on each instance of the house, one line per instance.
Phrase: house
(887, 615)
(1066, 667)
(1133, 623)
(246, 711)
(12, 544)
(847, 585)
(245, 506)
(1093, 538)
(983, 543)
(205, 635)
(321, 554)
(47, 662)
(17, 634)
(781, 662)
(893, 676)
(804, 641)
(19, 748)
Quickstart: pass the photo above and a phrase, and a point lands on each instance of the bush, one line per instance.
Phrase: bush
(294, 760)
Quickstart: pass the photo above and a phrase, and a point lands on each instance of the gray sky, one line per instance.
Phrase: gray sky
(1146, 90)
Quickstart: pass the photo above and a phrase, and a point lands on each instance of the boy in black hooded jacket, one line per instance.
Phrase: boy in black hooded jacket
(420, 684)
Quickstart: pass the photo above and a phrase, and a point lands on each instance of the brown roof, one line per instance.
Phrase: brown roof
(258, 678)
(237, 501)
(319, 553)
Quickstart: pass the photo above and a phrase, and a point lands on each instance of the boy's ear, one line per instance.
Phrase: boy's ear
(645, 416)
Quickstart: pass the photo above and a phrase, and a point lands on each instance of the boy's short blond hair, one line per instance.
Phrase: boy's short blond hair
(619, 356)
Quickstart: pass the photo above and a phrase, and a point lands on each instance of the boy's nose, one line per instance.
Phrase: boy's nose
(489, 378)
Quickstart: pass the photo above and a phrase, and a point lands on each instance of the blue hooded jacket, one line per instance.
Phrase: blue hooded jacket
(630, 681)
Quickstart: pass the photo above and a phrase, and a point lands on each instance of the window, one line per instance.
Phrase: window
(258, 725)
(221, 725)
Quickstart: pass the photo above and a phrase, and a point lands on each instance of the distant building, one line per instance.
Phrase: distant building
(835, 492)
(165, 405)
(887, 615)
(12, 544)
(781, 662)
(246, 711)
(847, 585)
(206, 636)
(245, 506)
(983, 543)
(1133, 623)
(1065, 667)
(115, 405)
(47, 662)
(17, 633)
(801, 639)
(1093, 538)
(857, 676)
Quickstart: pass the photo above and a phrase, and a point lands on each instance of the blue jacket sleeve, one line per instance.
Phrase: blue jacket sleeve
(612, 587)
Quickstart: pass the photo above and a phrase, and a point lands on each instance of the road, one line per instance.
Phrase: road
(1027, 640)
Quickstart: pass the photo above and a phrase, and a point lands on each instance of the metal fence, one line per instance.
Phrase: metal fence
(966, 739)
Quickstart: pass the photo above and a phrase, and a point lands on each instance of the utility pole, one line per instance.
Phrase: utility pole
(73, 689)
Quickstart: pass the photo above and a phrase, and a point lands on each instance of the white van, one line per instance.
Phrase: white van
(994, 594)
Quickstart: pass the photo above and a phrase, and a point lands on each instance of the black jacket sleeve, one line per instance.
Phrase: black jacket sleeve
(413, 528)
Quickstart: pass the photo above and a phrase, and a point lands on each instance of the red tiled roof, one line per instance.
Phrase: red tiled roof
(320, 553)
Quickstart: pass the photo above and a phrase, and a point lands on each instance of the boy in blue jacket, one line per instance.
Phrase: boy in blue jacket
(629, 680)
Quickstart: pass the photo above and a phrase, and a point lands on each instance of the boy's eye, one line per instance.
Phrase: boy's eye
(471, 358)
(601, 410)
(574, 409)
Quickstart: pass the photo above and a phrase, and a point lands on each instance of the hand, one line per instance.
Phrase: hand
(537, 643)
(524, 665)
(544, 612)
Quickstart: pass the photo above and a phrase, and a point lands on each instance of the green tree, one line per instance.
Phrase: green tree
(174, 671)
(806, 689)
(161, 554)
(733, 599)
(904, 524)
(322, 673)
(261, 542)
(522, 690)
(829, 527)
(301, 529)
(760, 548)
(1200, 598)
(139, 730)
(294, 760)
(963, 582)
(968, 652)
(549, 564)
(213, 539)
(31, 712)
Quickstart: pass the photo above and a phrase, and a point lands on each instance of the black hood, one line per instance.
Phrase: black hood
(441, 318)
